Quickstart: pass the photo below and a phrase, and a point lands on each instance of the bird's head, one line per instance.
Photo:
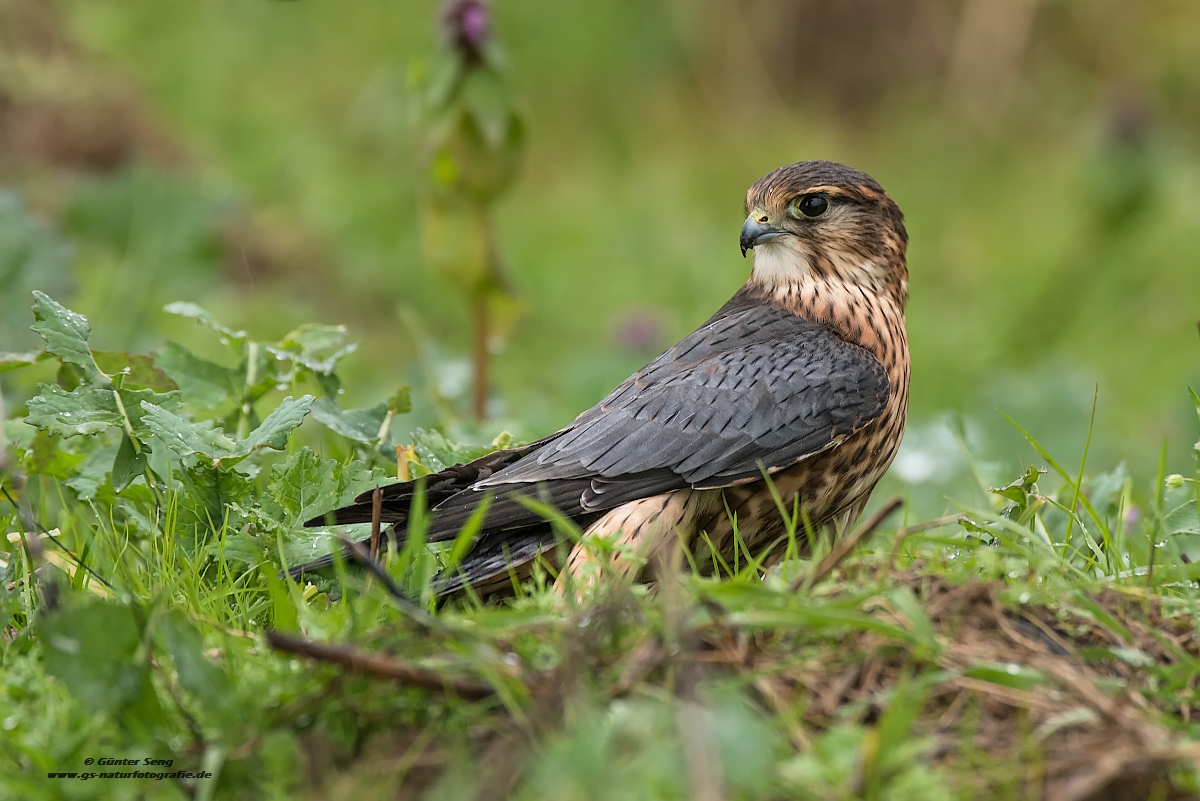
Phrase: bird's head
(816, 221)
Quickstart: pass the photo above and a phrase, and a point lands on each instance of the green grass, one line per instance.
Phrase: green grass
(1046, 260)
(975, 656)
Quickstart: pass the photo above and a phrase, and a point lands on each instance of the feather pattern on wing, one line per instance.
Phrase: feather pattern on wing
(754, 388)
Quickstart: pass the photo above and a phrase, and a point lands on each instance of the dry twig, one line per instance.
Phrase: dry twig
(376, 517)
(917, 528)
(359, 554)
(844, 546)
(379, 665)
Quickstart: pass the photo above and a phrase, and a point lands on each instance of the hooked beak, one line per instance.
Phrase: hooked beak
(755, 233)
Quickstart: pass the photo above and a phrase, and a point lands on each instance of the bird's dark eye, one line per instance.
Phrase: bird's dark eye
(811, 206)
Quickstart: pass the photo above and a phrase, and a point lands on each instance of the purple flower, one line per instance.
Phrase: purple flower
(468, 24)
(474, 23)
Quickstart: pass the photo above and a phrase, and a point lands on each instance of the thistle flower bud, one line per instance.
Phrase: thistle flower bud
(468, 26)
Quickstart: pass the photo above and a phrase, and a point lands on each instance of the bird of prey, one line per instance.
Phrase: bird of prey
(801, 377)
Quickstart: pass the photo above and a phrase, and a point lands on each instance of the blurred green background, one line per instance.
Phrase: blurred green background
(257, 157)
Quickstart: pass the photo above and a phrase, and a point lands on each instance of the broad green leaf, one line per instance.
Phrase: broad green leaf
(82, 463)
(312, 338)
(1183, 519)
(129, 463)
(91, 477)
(65, 334)
(240, 549)
(290, 502)
(320, 366)
(278, 425)
(401, 402)
(15, 361)
(92, 409)
(438, 78)
(304, 486)
(197, 673)
(50, 456)
(205, 384)
(437, 453)
(360, 425)
(330, 384)
(87, 410)
(139, 370)
(309, 544)
(93, 650)
(184, 309)
(317, 348)
(208, 499)
(271, 371)
(185, 437)
(1019, 490)
(488, 102)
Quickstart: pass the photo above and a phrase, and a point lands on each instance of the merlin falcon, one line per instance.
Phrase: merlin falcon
(798, 384)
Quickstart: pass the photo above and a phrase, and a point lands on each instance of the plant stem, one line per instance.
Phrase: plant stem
(243, 427)
(480, 359)
(480, 354)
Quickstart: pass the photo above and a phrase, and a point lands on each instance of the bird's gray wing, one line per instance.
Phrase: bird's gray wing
(397, 498)
(754, 388)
